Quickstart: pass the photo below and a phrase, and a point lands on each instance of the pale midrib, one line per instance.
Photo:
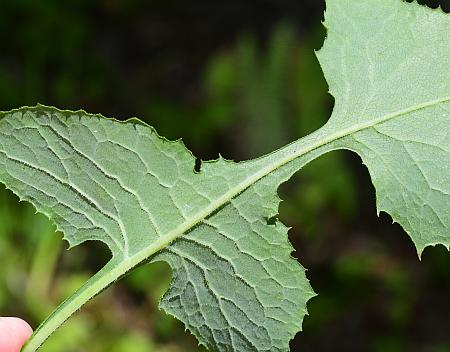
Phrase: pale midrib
(233, 192)
(98, 283)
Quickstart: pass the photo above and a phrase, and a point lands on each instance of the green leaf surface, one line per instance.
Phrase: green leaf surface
(235, 284)
(387, 63)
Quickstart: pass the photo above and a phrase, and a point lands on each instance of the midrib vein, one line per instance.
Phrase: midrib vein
(286, 157)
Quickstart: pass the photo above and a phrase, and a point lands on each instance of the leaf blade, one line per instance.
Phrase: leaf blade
(392, 76)
(76, 176)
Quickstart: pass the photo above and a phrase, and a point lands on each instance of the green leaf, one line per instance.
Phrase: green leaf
(235, 284)
(387, 63)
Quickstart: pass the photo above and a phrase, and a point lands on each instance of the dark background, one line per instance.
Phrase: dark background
(235, 77)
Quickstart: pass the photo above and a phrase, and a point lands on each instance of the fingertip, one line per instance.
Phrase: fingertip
(14, 332)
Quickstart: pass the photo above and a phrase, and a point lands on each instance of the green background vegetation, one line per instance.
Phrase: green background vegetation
(230, 77)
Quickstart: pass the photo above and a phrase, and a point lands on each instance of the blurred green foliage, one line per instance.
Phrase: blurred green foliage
(248, 95)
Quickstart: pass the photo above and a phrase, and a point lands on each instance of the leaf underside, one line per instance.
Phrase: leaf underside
(388, 66)
(235, 284)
